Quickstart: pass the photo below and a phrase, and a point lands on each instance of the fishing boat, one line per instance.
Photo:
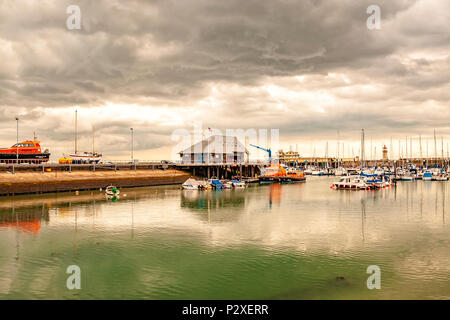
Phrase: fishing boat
(24, 152)
(272, 173)
(442, 177)
(293, 175)
(85, 157)
(235, 184)
(351, 183)
(376, 181)
(317, 172)
(407, 177)
(427, 176)
(217, 184)
(192, 184)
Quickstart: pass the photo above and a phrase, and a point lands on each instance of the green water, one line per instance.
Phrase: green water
(264, 242)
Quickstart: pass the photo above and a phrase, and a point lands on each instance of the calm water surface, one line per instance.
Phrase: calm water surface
(264, 242)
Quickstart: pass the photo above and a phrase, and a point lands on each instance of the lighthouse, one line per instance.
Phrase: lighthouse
(385, 153)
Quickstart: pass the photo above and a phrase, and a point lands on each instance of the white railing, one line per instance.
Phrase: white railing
(140, 162)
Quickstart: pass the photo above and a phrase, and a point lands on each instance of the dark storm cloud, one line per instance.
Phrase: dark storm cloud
(237, 41)
(170, 53)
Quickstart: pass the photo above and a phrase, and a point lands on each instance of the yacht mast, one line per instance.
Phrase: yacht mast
(93, 140)
(362, 149)
(76, 130)
(337, 150)
(435, 146)
(410, 148)
(420, 143)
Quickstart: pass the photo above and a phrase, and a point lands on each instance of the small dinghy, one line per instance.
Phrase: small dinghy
(112, 191)
(235, 184)
(216, 184)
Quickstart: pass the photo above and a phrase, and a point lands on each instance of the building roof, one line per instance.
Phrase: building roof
(217, 144)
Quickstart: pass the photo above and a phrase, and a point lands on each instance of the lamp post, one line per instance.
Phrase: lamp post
(17, 138)
(132, 144)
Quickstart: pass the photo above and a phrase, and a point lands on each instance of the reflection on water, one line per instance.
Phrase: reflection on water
(277, 241)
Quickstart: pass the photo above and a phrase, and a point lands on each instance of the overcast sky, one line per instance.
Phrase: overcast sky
(306, 67)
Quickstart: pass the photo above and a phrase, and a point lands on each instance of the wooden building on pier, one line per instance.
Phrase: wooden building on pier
(215, 150)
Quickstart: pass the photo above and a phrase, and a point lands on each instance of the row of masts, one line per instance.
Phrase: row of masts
(405, 149)
(409, 152)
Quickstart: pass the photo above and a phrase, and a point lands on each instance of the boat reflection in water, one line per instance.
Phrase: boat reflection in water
(233, 199)
(24, 219)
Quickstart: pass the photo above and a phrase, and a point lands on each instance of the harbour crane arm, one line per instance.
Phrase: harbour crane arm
(264, 149)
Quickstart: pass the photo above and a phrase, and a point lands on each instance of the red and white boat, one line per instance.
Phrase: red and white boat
(85, 157)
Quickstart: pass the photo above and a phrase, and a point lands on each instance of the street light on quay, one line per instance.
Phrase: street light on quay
(17, 138)
(132, 144)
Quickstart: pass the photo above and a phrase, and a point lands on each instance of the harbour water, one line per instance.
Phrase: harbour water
(292, 241)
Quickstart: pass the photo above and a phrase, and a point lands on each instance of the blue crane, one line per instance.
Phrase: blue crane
(266, 150)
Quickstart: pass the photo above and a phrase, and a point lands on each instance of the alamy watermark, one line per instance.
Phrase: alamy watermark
(74, 280)
(374, 280)
(374, 20)
(73, 22)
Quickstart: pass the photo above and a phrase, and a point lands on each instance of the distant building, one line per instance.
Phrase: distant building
(288, 156)
(215, 149)
(385, 153)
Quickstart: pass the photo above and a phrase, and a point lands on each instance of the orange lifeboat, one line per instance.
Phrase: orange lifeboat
(25, 152)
